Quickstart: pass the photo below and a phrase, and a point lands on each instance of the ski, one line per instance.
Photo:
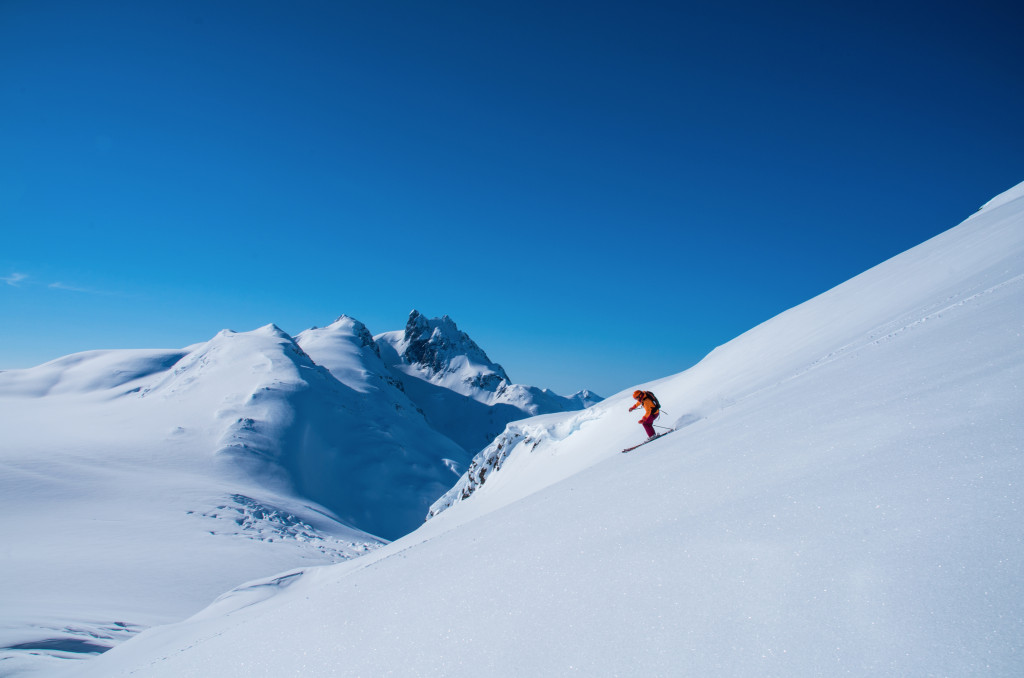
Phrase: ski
(651, 439)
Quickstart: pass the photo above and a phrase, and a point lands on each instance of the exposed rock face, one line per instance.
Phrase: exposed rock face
(435, 344)
(460, 391)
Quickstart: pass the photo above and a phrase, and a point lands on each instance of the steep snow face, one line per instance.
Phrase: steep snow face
(961, 266)
(398, 461)
(461, 392)
(372, 465)
(842, 495)
(347, 349)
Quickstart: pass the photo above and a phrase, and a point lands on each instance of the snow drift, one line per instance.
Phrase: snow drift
(843, 496)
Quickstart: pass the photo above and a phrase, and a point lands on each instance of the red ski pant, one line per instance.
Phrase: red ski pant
(647, 421)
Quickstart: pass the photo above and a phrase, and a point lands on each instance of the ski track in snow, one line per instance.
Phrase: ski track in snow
(883, 333)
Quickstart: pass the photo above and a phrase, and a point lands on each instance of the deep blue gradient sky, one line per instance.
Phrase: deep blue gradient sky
(599, 193)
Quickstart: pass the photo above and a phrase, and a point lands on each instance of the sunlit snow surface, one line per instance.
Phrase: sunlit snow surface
(140, 484)
(137, 486)
(843, 497)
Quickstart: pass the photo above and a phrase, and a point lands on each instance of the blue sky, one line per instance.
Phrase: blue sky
(598, 193)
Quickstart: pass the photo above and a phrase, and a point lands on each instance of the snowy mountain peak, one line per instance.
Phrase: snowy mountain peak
(348, 324)
(439, 347)
(272, 330)
(459, 390)
(586, 397)
(349, 352)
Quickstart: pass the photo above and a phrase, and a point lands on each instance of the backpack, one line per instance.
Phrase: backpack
(654, 399)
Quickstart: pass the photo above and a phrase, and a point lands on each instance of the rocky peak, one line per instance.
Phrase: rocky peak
(434, 343)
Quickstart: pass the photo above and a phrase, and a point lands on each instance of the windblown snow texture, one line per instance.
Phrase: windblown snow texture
(842, 496)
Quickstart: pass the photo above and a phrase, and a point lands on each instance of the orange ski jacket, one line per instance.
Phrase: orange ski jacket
(644, 399)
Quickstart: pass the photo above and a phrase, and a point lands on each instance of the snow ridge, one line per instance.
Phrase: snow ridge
(521, 438)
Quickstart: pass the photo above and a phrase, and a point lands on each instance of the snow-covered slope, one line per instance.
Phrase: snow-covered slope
(957, 268)
(347, 349)
(461, 392)
(138, 483)
(144, 482)
(843, 496)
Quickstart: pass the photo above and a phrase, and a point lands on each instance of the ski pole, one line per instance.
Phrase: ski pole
(664, 427)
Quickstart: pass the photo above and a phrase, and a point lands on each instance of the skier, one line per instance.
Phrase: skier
(652, 409)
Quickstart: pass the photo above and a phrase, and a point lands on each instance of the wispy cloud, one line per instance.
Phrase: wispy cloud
(23, 280)
(73, 288)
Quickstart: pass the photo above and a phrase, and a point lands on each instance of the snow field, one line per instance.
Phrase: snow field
(144, 483)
